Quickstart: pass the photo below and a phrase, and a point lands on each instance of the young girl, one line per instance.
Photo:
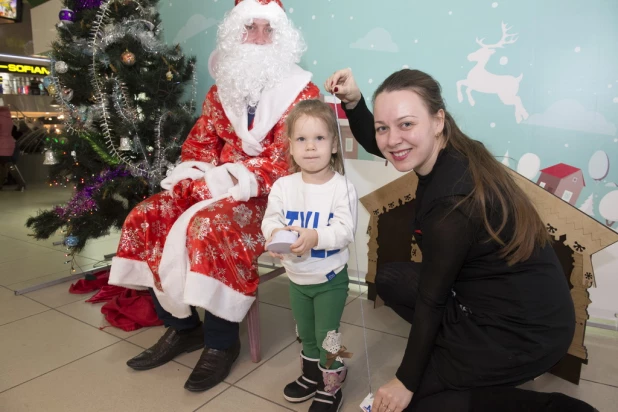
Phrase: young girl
(320, 204)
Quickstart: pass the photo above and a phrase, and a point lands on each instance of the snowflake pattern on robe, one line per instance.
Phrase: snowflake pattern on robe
(242, 215)
(248, 242)
(167, 208)
(130, 240)
(234, 240)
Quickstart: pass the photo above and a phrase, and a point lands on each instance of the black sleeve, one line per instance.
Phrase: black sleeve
(362, 127)
(447, 236)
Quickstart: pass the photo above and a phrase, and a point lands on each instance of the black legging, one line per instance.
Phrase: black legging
(397, 284)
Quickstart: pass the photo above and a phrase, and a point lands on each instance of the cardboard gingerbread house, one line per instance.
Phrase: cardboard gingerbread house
(563, 180)
(576, 236)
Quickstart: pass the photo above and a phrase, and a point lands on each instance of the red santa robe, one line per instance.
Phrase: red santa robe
(197, 243)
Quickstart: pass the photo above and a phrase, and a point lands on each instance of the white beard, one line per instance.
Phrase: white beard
(246, 71)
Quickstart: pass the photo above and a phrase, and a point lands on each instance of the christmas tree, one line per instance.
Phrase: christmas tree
(121, 89)
(587, 207)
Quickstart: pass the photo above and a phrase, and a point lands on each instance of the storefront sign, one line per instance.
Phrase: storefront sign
(6, 67)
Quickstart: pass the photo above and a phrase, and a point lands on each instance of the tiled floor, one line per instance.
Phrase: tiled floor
(54, 357)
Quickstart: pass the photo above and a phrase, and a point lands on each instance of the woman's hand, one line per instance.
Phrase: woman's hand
(392, 397)
(307, 240)
(273, 254)
(344, 86)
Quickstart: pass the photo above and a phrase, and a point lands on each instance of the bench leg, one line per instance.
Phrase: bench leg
(253, 326)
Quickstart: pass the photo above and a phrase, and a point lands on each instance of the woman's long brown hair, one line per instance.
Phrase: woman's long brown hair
(494, 187)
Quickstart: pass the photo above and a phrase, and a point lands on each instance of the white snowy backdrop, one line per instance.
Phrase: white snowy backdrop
(537, 82)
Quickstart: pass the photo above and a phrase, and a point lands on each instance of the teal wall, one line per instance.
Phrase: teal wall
(565, 50)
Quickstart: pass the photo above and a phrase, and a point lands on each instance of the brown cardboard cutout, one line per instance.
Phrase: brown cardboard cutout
(577, 237)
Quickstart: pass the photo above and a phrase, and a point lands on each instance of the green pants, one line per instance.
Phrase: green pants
(317, 310)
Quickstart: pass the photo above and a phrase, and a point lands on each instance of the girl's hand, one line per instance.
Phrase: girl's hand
(307, 240)
(392, 397)
(273, 254)
(344, 86)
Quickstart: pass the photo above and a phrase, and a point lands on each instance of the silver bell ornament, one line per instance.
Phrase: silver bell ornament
(50, 158)
(125, 144)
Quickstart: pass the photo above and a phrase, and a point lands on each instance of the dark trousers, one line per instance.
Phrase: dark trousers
(218, 333)
(397, 284)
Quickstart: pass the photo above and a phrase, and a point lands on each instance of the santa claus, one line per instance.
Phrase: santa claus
(197, 243)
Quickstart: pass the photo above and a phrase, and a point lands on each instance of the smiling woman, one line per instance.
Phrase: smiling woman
(489, 303)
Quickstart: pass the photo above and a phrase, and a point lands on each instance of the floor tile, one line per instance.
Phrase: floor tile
(237, 400)
(381, 319)
(38, 265)
(602, 357)
(57, 295)
(98, 248)
(91, 314)
(43, 342)
(278, 330)
(602, 397)
(12, 249)
(14, 307)
(39, 281)
(284, 368)
(102, 382)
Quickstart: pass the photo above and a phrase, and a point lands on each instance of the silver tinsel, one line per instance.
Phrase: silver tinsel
(141, 30)
(122, 104)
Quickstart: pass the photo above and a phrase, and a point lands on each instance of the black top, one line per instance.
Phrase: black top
(480, 321)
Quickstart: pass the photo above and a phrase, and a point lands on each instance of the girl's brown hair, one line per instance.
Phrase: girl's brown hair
(494, 187)
(317, 110)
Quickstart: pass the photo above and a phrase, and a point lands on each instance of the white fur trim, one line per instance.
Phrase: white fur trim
(186, 170)
(247, 186)
(175, 259)
(130, 273)
(273, 104)
(218, 180)
(216, 297)
(252, 9)
(175, 262)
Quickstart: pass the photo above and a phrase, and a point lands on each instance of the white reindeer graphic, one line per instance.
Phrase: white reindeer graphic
(480, 80)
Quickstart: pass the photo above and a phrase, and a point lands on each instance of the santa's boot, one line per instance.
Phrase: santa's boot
(328, 397)
(304, 387)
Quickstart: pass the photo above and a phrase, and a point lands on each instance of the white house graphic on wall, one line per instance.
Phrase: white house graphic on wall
(563, 180)
(482, 81)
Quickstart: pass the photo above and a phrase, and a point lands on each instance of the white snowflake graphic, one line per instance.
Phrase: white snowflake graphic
(159, 229)
(203, 192)
(212, 252)
(167, 208)
(145, 207)
(130, 240)
(222, 222)
(197, 258)
(243, 273)
(156, 253)
(242, 215)
(248, 242)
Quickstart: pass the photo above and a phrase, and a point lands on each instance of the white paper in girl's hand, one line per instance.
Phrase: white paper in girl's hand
(282, 240)
(367, 402)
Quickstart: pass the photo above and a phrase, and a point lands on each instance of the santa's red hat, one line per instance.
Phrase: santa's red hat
(263, 2)
(271, 10)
